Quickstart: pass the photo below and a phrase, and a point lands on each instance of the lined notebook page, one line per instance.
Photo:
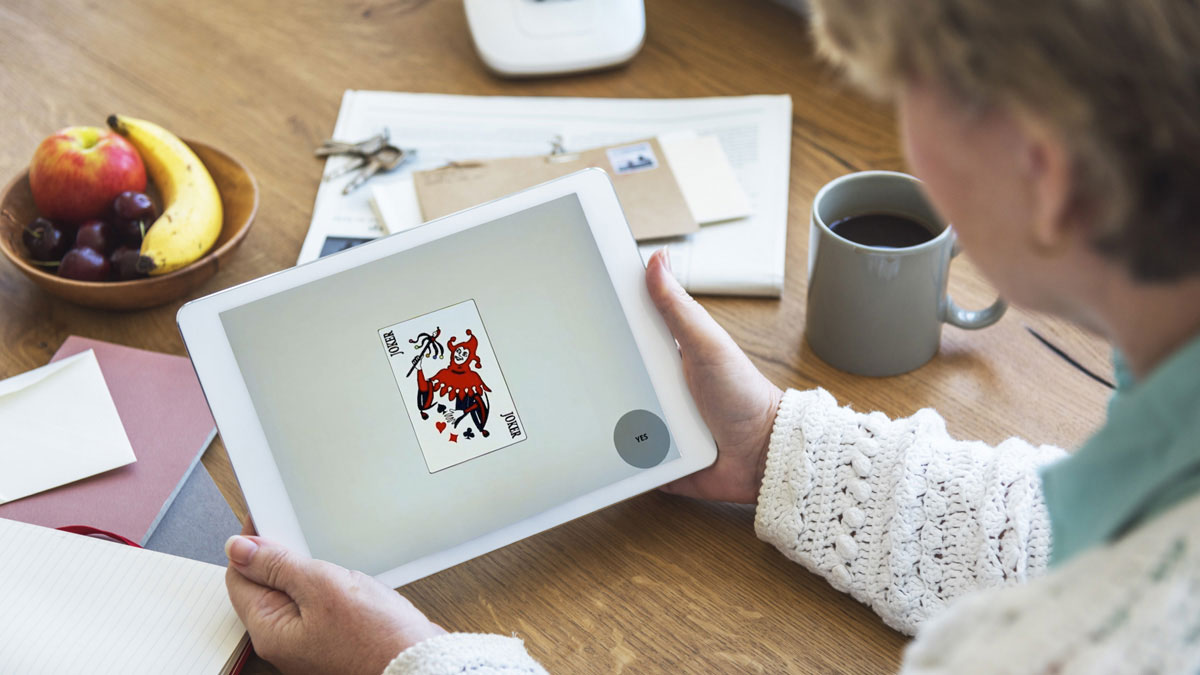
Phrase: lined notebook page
(74, 604)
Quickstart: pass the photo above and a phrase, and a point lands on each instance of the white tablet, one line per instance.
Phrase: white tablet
(420, 400)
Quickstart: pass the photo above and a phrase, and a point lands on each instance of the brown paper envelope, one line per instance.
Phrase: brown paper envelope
(643, 180)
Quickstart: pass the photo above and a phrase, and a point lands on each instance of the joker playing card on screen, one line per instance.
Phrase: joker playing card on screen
(453, 390)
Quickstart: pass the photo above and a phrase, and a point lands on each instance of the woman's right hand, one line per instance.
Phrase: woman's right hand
(737, 403)
(310, 616)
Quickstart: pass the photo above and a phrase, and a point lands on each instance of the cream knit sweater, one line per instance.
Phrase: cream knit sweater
(938, 536)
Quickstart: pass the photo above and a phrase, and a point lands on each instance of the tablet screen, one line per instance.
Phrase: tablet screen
(435, 395)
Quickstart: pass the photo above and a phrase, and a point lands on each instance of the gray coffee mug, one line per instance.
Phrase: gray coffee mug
(874, 310)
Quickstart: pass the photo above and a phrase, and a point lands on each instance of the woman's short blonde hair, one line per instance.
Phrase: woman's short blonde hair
(1120, 79)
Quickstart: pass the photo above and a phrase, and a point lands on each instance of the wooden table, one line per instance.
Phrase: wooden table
(656, 584)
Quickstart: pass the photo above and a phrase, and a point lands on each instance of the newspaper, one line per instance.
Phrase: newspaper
(737, 257)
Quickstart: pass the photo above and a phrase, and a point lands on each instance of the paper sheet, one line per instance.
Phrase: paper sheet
(198, 522)
(58, 424)
(739, 257)
(706, 178)
(74, 604)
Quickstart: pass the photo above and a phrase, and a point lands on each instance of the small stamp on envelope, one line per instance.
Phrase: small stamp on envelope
(632, 158)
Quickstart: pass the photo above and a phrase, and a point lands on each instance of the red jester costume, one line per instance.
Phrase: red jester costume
(458, 383)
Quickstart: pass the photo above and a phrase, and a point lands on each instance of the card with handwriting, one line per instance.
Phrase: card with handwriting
(450, 381)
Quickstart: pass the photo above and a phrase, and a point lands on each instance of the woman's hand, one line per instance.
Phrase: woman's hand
(310, 616)
(737, 403)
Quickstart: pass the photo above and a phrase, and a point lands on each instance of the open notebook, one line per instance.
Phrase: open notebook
(75, 604)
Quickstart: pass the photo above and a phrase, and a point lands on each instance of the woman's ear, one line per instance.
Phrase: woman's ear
(1049, 174)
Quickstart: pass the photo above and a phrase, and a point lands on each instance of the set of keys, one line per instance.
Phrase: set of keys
(373, 156)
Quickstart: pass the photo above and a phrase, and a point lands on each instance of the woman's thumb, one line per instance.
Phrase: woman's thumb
(688, 321)
(269, 564)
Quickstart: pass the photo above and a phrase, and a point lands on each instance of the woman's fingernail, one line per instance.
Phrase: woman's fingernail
(667, 258)
(240, 549)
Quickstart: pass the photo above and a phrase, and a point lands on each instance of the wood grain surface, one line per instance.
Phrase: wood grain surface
(657, 583)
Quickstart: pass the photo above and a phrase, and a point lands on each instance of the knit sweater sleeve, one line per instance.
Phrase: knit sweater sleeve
(898, 513)
(475, 653)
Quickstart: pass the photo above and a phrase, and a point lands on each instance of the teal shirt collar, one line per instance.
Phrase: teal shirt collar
(1145, 459)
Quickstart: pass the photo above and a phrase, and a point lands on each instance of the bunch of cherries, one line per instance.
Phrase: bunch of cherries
(98, 249)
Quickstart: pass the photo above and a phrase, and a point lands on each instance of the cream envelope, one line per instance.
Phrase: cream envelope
(58, 424)
(705, 177)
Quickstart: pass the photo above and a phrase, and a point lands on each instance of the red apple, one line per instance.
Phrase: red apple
(77, 172)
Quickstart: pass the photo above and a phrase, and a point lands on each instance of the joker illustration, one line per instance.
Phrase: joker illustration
(458, 384)
(444, 382)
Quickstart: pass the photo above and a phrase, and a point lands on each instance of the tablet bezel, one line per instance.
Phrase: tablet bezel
(266, 495)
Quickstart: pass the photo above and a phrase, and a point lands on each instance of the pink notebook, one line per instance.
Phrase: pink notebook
(168, 423)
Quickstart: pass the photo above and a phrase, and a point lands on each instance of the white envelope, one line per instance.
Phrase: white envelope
(58, 424)
(705, 177)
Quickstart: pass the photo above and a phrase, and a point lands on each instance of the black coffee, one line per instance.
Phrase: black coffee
(882, 229)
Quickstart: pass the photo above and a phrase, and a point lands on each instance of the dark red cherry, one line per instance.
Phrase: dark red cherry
(124, 263)
(95, 234)
(131, 205)
(132, 214)
(84, 264)
(46, 240)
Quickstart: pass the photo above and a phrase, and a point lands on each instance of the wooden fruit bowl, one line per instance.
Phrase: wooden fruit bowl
(239, 199)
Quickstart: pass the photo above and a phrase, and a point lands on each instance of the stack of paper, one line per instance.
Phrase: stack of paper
(739, 257)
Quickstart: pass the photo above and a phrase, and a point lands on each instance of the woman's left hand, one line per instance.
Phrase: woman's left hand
(310, 616)
(737, 403)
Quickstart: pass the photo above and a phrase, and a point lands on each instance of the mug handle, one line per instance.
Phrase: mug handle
(971, 319)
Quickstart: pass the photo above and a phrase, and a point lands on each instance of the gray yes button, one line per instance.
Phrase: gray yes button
(641, 438)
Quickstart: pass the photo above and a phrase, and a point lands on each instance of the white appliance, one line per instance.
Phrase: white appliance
(526, 38)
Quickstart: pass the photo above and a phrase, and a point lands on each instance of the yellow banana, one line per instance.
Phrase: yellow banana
(191, 217)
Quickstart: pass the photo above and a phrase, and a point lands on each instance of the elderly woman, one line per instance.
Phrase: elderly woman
(1062, 138)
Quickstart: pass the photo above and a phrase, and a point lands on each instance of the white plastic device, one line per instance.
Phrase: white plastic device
(491, 512)
(526, 38)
